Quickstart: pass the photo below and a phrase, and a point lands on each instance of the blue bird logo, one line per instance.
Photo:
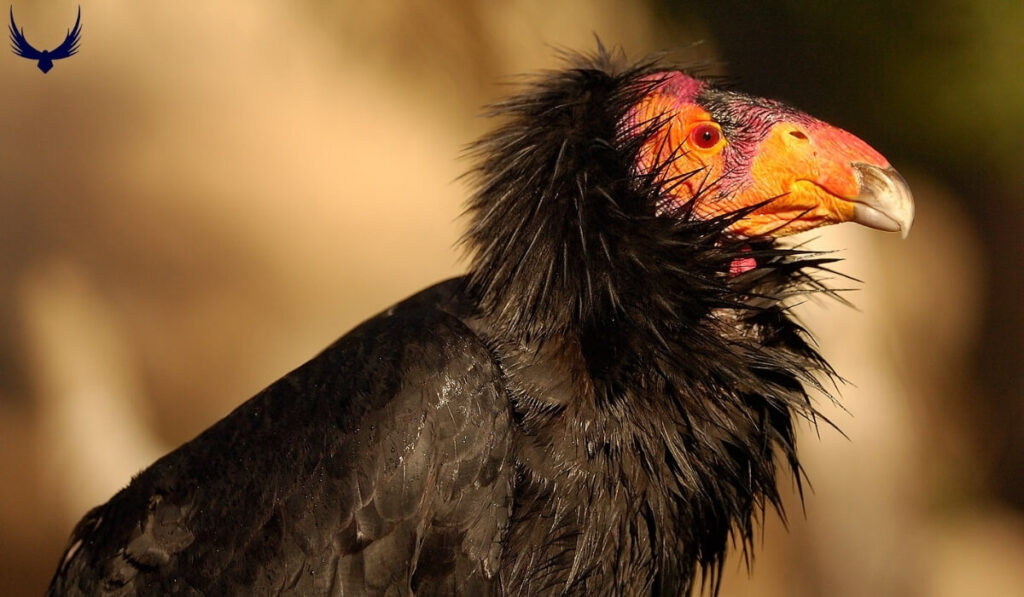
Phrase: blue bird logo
(21, 47)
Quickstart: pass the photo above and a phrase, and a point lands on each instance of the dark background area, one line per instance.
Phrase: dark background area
(205, 196)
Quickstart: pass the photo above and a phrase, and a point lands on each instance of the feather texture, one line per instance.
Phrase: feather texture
(598, 408)
(654, 392)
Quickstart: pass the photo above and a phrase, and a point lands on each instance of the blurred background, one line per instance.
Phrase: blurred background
(209, 193)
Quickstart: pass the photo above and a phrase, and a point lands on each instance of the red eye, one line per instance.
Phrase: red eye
(705, 136)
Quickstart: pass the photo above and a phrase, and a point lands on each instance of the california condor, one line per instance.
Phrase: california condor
(596, 408)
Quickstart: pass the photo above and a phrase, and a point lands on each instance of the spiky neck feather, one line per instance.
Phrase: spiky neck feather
(569, 236)
(675, 384)
(559, 204)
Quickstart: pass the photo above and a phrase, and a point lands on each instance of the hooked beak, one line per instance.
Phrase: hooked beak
(818, 174)
(884, 202)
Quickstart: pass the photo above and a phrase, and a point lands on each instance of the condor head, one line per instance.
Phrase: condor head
(722, 152)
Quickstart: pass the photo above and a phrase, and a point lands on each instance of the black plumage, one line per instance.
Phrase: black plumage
(598, 407)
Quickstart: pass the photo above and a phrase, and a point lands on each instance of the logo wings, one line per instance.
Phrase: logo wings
(21, 47)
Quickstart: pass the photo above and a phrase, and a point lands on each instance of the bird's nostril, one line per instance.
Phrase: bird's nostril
(797, 134)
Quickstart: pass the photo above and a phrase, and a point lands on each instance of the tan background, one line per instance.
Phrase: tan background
(209, 193)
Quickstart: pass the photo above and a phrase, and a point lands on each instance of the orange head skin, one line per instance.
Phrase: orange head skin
(727, 151)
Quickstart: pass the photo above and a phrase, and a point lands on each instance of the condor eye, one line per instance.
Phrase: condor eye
(705, 135)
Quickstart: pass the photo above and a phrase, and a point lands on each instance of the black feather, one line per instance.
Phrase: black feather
(599, 407)
(685, 378)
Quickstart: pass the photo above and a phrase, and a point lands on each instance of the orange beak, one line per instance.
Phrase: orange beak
(812, 174)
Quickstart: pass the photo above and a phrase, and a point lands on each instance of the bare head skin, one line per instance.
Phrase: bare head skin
(727, 151)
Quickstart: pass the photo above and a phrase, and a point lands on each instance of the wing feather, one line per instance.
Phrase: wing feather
(19, 44)
(69, 47)
(379, 466)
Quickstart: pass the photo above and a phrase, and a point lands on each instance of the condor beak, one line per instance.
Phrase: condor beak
(884, 202)
(815, 174)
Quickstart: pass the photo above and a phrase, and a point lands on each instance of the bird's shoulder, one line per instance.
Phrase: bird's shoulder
(382, 463)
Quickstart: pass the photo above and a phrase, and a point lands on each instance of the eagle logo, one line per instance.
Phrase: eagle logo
(21, 47)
